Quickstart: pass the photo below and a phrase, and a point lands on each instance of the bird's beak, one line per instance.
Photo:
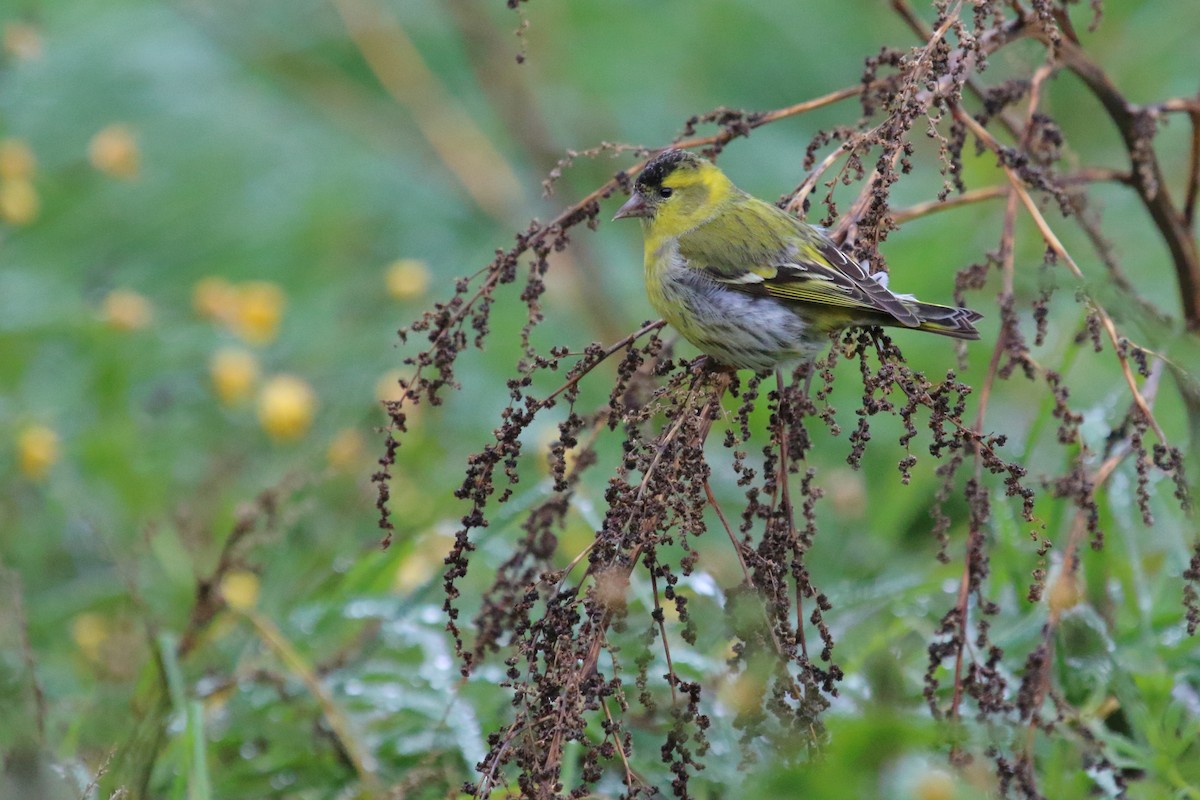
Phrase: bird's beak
(635, 206)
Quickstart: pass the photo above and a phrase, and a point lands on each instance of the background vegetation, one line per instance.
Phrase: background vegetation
(217, 214)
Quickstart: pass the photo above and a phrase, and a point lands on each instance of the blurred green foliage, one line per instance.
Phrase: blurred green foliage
(252, 141)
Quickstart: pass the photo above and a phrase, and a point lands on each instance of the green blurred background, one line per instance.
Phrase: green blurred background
(216, 215)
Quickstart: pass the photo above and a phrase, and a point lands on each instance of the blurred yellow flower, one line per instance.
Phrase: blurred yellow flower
(114, 151)
(387, 388)
(22, 41)
(286, 407)
(126, 310)
(114, 646)
(17, 161)
(37, 451)
(1064, 593)
(423, 564)
(19, 202)
(407, 278)
(346, 450)
(744, 692)
(934, 784)
(259, 310)
(234, 372)
(215, 298)
(90, 631)
(240, 589)
(848, 492)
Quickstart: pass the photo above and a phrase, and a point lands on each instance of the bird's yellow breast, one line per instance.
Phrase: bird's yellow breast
(659, 253)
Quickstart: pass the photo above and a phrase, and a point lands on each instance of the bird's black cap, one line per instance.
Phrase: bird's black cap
(663, 165)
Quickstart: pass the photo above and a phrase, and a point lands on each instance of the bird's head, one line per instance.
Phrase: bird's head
(676, 192)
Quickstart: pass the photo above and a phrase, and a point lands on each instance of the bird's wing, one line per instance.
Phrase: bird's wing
(758, 249)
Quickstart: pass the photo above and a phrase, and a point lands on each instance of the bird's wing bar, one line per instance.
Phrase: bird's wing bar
(822, 261)
(821, 274)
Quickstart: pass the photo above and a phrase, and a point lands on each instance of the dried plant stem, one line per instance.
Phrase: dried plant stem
(1071, 562)
(618, 574)
(785, 497)
(737, 545)
(991, 40)
(1193, 170)
(917, 210)
(660, 620)
(846, 229)
(1007, 250)
(796, 204)
(446, 125)
(972, 196)
(358, 754)
(796, 108)
(630, 776)
(1148, 178)
(1053, 241)
(1101, 475)
(611, 350)
(962, 609)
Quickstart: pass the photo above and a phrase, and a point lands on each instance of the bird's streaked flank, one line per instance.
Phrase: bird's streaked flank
(750, 285)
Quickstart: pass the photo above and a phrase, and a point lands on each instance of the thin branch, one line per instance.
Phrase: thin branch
(1052, 240)
(1193, 173)
(608, 352)
(1177, 105)
(757, 119)
(903, 215)
(1070, 559)
(737, 545)
(1147, 174)
(785, 497)
(444, 122)
(630, 775)
(1007, 250)
(846, 230)
(1097, 175)
(1103, 472)
(810, 180)
(658, 617)
(1148, 182)
(339, 723)
(971, 196)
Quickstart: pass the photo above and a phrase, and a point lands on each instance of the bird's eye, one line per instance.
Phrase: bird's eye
(665, 191)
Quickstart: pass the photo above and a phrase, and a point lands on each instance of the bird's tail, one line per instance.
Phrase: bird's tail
(947, 320)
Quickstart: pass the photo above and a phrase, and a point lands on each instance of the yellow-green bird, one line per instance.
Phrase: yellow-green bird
(750, 285)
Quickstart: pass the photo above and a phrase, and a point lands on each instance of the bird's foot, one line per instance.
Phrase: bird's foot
(707, 364)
